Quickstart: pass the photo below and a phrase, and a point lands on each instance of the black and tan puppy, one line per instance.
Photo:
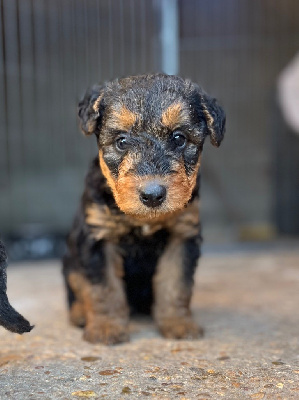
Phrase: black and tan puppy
(136, 237)
(9, 318)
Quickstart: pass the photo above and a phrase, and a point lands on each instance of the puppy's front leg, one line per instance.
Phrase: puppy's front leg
(173, 284)
(104, 304)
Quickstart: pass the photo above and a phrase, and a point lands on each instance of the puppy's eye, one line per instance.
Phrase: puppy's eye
(179, 139)
(121, 143)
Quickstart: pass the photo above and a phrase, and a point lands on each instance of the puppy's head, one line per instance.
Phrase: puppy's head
(150, 131)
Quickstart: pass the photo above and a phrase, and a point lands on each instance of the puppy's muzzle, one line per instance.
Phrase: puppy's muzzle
(152, 194)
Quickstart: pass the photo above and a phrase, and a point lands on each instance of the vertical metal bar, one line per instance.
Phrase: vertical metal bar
(20, 83)
(122, 37)
(143, 34)
(133, 36)
(7, 166)
(86, 42)
(169, 36)
(4, 90)
(111, 52)
(49, 99)
(6, 163)
(34, 150)
(22, 129)
(99, 55)
(62, 72)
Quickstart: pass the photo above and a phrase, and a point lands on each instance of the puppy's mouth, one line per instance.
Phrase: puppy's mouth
(149, 199)
(149, 215)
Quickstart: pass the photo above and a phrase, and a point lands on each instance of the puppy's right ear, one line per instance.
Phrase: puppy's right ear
(90, 110)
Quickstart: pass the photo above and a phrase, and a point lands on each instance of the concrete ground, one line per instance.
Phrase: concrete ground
(246, 299)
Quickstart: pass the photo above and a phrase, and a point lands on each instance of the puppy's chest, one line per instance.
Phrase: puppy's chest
(105, 224)
(140, 244)
(142, 252)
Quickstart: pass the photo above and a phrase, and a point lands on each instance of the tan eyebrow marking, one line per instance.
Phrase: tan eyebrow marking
(174, 116)
(122, 119)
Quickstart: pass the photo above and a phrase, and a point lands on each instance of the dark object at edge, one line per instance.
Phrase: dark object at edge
(286, 182)
(9, 317)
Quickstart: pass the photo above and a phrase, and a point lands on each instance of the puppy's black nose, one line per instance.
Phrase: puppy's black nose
(153, 194)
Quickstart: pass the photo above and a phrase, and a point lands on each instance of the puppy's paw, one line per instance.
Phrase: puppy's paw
(77, 316)
(180, 328)
(106, 332)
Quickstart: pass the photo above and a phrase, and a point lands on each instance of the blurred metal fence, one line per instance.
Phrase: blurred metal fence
(237, 48)
(51, 51)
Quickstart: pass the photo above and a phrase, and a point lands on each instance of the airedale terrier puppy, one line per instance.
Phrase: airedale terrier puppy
(135, 241)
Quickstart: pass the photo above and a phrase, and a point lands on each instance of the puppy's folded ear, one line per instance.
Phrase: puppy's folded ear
(215, 118)
(90, 110)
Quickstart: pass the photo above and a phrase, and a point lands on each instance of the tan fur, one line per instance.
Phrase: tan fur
(77, 315)
(174, 116)
(96, 104)
(209, 118)
(185, 224)
(127, 187)
(121, 119)
(107, 225)
(106, 172)
(173, 295)
(180, 187)
(104, 224)
(104, 306)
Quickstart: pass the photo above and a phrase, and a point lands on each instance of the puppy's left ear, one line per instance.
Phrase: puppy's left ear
(90, 110)
(215, 118)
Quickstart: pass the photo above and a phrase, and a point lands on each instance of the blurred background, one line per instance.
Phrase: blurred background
(51, 51)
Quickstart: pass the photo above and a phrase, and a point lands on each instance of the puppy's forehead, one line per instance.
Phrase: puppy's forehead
(148, 105)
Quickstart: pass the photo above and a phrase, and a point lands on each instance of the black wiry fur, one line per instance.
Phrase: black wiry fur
(141, 244)
(9, 318)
